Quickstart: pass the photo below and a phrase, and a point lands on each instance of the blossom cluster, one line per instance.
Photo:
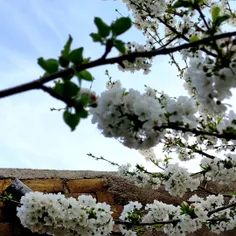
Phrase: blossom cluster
(133, 117)
(177, 180)
(219, 170)
(145, 13)
(56, 215)
(219, 221)
(140, 63)
(183, 219)
(210, 84)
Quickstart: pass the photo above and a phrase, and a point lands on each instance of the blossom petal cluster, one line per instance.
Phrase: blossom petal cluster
(177, 180)
(145, 13)
(219, 170)
(184, 219)
(56, 215)
(139, 63)
(210, 82)
(219, 221)
(132, 117)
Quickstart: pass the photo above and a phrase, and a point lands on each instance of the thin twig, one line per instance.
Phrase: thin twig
(103, 159)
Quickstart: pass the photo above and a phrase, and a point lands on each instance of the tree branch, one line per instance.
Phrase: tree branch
(146, 224)
(196, 131)
(36, 84)
(177, 220)
(200, 152)
(221, 208)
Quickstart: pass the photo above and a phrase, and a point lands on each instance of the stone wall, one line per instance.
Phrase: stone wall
(104, 186)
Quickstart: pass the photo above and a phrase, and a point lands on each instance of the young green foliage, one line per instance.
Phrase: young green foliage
(72, 120)
(84, 75)
(49, 65)
(66, 89)
(120, 46)
(121, 25)
(96, 37)
(64, 58)
(183, 3)
(76, 56)
(103, 28)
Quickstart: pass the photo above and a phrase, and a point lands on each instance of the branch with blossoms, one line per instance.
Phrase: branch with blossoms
(37, 84)
(197, 132)
(58, 215)
(84, 216)
(141, 177)
(227, 206)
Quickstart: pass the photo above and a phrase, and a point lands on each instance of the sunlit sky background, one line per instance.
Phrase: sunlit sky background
(31, 135)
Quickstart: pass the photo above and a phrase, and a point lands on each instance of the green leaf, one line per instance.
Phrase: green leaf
(64, 62)
(215, 14)
(85, 75)
(199, 2)
(96, 37)
(67, 89)
(182, 3)
(76, 56)
(65, 52)
(86, 60)
(71, 119)
(120, 46)
(233, 194)
(84, 100)
(50, 65)
(221, 19)
(103, 28)
(121, 25)
(82, 113)
(194, 38)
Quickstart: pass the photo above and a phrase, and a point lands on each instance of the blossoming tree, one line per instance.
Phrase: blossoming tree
(198, 124)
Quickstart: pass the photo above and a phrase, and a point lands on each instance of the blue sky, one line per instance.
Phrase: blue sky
(31, 135)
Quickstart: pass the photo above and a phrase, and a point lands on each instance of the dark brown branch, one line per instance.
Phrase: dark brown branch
(146, 224)
(201, 152)
(198, 173)
(202, 16)
(50, 91)
(108, 49)
(221, 208)
(197, 132)
(37, 84)
(177, 220)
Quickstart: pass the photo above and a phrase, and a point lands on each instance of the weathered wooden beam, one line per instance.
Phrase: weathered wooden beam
(17, 189)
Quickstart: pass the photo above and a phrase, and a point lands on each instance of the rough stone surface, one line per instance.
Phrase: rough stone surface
(45, 185)
(124, 191)
(4, 184)
(85, 185)
(105, 197)
(47, 174)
